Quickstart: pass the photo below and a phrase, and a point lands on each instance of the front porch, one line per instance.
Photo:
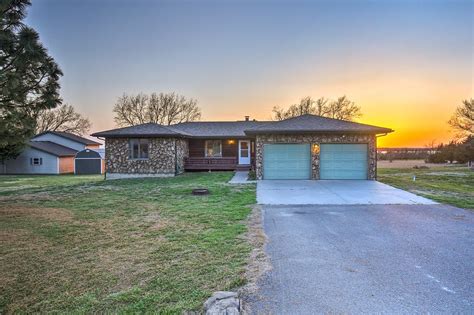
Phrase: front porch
(211, 164)
(220, 154)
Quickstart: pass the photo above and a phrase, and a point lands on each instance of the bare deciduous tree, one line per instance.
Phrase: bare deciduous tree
(342, 108)
(463, 119)
(164, 109)
(62, 118)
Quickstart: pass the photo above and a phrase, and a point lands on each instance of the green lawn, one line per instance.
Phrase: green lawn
(80, 244)
(450, 185)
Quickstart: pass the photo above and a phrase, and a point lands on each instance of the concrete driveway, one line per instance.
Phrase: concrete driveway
(367, 259)
(333, 192)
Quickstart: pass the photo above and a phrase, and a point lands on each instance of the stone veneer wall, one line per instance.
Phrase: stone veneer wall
(370, 140)
(182, 152)
(162, 158)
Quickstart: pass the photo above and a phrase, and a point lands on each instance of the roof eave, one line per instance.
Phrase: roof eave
(220, 137)
(52, 153)
(99, 135)
(173, 136)
(257, 132)
(85, 141)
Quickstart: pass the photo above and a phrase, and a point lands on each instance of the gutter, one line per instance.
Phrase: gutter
(376, 153)
(283, 132)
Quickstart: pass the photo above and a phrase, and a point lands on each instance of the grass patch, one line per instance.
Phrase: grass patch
(81, 244)
(450, 185)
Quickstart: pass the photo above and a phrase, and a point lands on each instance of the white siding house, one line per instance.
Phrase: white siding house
(48, 153)
(32, 161)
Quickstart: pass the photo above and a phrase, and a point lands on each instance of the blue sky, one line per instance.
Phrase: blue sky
(400, 60)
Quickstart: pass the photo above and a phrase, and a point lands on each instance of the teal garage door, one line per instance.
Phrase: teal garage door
(286, 161)
(343, 161)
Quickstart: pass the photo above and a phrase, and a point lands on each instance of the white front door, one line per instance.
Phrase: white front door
(244, 152)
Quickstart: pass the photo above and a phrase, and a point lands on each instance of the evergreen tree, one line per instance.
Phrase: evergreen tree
(29, 78)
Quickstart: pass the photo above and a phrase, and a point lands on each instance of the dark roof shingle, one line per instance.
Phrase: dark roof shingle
(316, 124)
(69, 136)
(240, 129)
(52, 148)
(217, 129)
(144, 130)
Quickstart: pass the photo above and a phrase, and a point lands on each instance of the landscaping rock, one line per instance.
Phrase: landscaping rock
(223, 303)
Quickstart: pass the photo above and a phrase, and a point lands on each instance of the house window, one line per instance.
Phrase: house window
(138, 148)
(213, 148)
(36, 161)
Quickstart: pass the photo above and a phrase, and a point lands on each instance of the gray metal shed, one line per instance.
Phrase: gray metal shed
(88, 162)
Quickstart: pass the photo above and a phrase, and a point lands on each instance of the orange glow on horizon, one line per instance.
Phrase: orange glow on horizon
(418, 109)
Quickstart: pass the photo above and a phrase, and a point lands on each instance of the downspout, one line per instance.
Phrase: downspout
(376, 153)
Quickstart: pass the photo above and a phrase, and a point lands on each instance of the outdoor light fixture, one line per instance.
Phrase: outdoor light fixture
(231, 142)
(315, 148)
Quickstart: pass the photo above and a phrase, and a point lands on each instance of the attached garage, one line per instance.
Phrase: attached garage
(343, 161)
(88, 162)
(286, 161)
(339, 149)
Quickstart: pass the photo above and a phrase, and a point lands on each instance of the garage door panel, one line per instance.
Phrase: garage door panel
(343, 161)
(88, 166)
(286, 161)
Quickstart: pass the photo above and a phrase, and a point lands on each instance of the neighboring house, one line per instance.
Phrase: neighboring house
(50, 152)
(67, 139)
(41, 157)
(304, 147)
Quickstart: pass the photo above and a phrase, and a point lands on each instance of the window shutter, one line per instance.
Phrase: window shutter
(41, 161)
(31, 161)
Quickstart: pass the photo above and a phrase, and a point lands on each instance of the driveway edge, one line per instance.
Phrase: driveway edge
(258, 262)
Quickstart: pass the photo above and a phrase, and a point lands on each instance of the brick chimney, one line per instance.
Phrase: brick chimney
(247, 118)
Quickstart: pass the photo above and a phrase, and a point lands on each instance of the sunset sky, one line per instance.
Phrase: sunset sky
(408, 64)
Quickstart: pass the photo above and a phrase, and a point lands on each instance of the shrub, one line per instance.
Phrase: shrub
(252, 175)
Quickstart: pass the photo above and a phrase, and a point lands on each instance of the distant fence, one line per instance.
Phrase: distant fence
(404, 153)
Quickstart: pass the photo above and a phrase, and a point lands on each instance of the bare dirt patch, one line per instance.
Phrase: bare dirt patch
(155, 221)
(88, 188)
(15, 187)
(39, 196)
(53, 214)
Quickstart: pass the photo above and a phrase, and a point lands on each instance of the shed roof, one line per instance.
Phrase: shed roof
(52, 148)
(88, 154)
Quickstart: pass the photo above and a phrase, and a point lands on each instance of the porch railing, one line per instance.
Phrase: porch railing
(204, 163)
